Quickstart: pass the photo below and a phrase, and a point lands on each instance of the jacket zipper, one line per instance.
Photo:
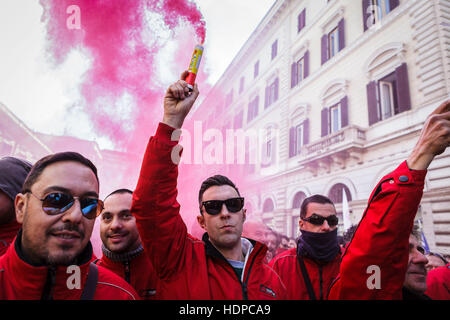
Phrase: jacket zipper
(244, 285)
(47, 292)
(127, 271)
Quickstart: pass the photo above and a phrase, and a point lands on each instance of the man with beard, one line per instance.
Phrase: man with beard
(123, 253)
(309, 269)
(51, 255)
(13, 172)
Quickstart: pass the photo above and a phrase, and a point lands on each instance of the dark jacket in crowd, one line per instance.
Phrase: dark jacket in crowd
(13, 172)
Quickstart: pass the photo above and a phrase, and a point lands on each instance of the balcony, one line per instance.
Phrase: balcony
(335, 149)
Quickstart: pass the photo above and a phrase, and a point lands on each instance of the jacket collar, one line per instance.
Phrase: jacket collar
(249, 248)
(29, 280)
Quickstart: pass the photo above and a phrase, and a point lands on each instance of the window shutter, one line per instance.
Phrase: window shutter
(275, 98)
(393, 4)
(266, 102)
(256, 107)
(306, 65)
(403, 96)
(292, 142)
(301, 20)
(324, 48)
(294, 75)
(341, 30)
(324, 122)
(274, 149)
(344, 112)
(372, 103)
(366, 16)
(306, 132)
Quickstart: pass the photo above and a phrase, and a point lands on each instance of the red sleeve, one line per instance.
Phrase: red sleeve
(161, 228)
(380, 245)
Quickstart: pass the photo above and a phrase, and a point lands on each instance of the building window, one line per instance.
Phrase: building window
(253, 109)
(375, 10)
(274, 49)
(298, 137)
(229, 98)
(268, 148)
(256, 69)
(300, 70)
(333, 43)
(268, 206)
(386, 90)
(301, 20)
(269, 144)
(271, 93)
(389, 95)
(335, 118)
(238, 120)
(241, 85)
(336, 193)
(298, 199)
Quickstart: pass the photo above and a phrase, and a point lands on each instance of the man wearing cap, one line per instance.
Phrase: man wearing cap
(13, 172)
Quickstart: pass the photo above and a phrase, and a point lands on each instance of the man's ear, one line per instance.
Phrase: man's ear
(201, 222)
(244, 215)
(20, 205)
(300, 224)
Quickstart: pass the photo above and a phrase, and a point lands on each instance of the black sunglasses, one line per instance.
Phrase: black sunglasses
(58, 202)
(317, 220)
(214, 207)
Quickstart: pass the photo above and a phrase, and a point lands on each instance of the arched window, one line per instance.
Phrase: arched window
(298, 199)
(336, 193)
(268, 205)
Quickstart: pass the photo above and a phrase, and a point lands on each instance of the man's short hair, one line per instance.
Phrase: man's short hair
(217, 180)
(43, 163)
(119, 191)
(317, 198)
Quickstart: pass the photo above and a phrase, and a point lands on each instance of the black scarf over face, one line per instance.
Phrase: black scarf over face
(318, 245)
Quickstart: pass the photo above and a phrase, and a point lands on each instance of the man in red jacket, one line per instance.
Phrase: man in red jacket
(309, 269)
(222, 265)
(51, 255)
(13, 172)
(438, 283)
(375, 261)
(123, 253)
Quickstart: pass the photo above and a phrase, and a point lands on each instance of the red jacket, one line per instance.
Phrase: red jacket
(138, 272)
(321, 275)
(22, 281)
(379, 248)
(190, 268)
(7, 234)
(438, 283)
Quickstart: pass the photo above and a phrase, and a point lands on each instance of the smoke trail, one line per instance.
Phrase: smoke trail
(120, 91)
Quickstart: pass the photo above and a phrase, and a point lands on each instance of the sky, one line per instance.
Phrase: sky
(43, 95)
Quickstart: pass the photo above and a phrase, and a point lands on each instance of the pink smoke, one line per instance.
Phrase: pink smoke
(122, 61)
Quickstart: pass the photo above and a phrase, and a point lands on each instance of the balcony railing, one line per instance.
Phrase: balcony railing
(351, 137)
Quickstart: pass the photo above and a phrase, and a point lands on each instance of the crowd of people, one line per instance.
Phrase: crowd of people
(48, 210)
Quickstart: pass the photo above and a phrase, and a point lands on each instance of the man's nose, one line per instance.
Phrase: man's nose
(74, 213)
(116, 224)
(325, 226)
